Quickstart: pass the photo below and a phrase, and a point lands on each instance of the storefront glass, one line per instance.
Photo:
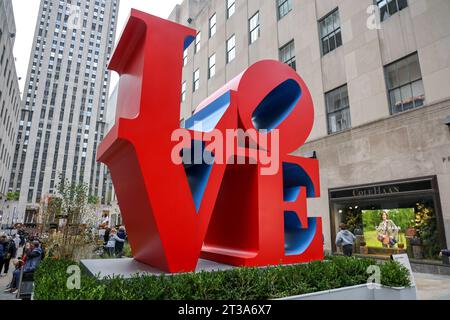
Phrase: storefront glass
(391, 219)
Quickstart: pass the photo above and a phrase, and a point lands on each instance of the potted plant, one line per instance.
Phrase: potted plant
(410, 232)
(415, 241)
(417, 248)
(363, 249)
(358, 231)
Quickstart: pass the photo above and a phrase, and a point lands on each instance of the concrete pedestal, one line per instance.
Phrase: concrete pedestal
(127, 268)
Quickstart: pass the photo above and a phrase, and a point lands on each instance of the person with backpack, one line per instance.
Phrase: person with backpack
(10, 252)
(2, 252)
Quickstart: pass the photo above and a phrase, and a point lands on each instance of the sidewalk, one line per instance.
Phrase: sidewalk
(4, 281)
(432, 287)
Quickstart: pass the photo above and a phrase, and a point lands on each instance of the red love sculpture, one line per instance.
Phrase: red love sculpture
(250, 214)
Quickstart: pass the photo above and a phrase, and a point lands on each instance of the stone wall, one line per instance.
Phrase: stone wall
(409, 145)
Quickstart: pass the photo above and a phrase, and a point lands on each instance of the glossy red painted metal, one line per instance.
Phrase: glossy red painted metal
(240, 220)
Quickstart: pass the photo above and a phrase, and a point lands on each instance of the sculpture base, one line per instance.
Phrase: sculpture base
(127, 268)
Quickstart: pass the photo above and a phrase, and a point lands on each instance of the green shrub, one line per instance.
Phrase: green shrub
(394, 275)
(235, 284)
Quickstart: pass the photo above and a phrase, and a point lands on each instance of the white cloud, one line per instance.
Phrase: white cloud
(26, 11)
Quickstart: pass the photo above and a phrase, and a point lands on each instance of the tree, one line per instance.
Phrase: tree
(75, 213)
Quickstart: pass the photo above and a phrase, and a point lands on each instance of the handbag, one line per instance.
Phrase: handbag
(384, 239)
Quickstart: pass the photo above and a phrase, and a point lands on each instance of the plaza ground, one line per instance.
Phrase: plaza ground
(4, 281)
(432, 287)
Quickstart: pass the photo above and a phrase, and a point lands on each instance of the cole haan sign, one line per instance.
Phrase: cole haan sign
(375, 191)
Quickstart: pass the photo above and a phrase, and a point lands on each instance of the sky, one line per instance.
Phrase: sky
(26, 22)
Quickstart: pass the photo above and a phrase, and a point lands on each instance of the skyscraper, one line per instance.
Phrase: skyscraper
(9, 99)
(63, 116)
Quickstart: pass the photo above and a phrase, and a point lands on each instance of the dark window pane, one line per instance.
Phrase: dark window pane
(418, 94)
(414, 68)
(384, 14)
(325, 46)
(332, 40)
(396, 101)
(293, 65)
(323, 29)
(407, 97)
(402, 4)
(392, 5)
(403, 72)
(391, 77)
(338, 39)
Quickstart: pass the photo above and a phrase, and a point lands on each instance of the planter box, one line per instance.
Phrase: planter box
(361, 292)
(364, 250)
(417, 252)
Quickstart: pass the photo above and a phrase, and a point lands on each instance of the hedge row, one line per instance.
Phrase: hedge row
(237, 284)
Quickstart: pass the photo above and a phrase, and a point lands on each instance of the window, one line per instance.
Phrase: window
(198, 39)
(212, 66)
(183, 92)
(231, 8)
(212, 25)
(284, 7)
(231, 48)
(196, 80)
(287, 55)
(330, 32)
(390, 7)
(404, 84)
(338, 110)
(254, 28)
(185, 57)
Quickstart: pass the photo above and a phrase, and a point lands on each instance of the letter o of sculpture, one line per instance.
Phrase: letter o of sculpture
(278, 99)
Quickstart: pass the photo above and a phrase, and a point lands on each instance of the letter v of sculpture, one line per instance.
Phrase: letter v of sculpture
(234, 214)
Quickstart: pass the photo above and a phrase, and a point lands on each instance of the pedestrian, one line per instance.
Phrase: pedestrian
(103, 227)
(119, 245)
(17, 241)
(111, 245)
(2, 252)
(13, 286)
(106, 236)
(33, 257)
(9, 253)
(22, 236)
(445, 255)
(346, 240)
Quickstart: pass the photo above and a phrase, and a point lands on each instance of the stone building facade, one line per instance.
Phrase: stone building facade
(379, 75)
(9, 104)
(63, 114)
